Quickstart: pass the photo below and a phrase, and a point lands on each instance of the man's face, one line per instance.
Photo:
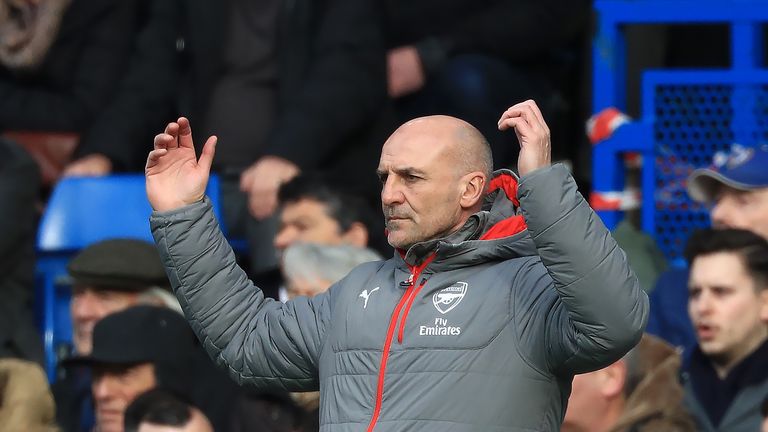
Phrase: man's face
(728, 313)
(420, 188)
(597, 400)
(88, 306)
(114, 388)
(585, 403)
(307, 220)
(741, 209)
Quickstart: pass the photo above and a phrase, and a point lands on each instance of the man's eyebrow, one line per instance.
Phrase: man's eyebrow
(403, 171)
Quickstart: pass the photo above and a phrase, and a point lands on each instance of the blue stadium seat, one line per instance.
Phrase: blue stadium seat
(81, 211)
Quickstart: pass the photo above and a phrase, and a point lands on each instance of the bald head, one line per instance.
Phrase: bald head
(466, 146)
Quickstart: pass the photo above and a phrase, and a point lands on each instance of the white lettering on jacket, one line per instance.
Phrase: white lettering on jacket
(439, 328)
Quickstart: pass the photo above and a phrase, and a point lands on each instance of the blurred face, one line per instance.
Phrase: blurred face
(739, 209)
(596, 400)
(308, 221)
(421, 186)
(304, 287)
(88, 306)
(764, 428)
(114, 388)
(585, 404)
(197, 423)
(728, 312)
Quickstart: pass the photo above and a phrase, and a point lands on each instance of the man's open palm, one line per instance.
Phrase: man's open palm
(175, 177)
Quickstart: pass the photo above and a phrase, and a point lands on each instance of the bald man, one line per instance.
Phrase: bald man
(501, 289)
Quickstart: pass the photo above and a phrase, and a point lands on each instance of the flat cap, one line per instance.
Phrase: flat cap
(120, 264)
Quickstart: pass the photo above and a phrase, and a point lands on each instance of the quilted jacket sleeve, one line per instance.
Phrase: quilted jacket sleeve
(586, 304)
(258, 340)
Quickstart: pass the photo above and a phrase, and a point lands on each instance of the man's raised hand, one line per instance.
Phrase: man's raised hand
(532, 132)
(175, 177)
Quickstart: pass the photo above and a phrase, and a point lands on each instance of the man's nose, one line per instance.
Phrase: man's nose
(84, 306)
(704, 304)
(102, 388)
(284, 238)
(721, 213)
(390, 192)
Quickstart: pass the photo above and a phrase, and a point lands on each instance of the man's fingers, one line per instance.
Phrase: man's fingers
(163, 141)
(206, 157)
(172, 130)
(154, 157)
(529, 111)
(521, 127)
(537, 114)
(185, 133)
(525, 112)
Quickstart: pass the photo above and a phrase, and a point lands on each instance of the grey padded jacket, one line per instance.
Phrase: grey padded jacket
(481, 331)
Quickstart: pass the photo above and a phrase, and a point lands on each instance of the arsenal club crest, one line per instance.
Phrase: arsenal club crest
(448, 298)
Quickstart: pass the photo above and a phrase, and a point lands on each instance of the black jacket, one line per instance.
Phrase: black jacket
(523, 32)
(78, 74)
(19, 183)
(332, 88)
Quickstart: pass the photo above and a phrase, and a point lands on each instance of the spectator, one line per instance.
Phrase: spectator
(311, 268)
(26, 403)
(312, 209)
(59, 62)
(315, 209)
(737, 186)
(143, 96)
(159, 410)
(19, 183)
(135, 350)
(639, 393)
(728, 305)
(249, 71)
(107, 277)
(455, 57)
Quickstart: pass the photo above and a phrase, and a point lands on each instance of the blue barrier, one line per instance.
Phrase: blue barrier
(687, 115)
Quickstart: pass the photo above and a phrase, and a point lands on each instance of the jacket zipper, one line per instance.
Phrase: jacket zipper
(408, 297)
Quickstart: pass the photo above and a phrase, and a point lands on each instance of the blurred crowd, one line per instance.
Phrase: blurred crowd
(301, 95)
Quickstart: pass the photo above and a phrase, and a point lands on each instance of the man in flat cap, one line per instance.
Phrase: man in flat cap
(107, 277)
(135, 350)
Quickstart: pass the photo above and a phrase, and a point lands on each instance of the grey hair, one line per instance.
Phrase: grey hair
(313, 262)
(160, 297)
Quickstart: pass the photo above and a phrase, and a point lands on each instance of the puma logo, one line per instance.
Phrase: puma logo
(366, 294)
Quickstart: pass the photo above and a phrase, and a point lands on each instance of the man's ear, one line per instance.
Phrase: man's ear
(613, 378)
(472, 189)
(356, 235)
